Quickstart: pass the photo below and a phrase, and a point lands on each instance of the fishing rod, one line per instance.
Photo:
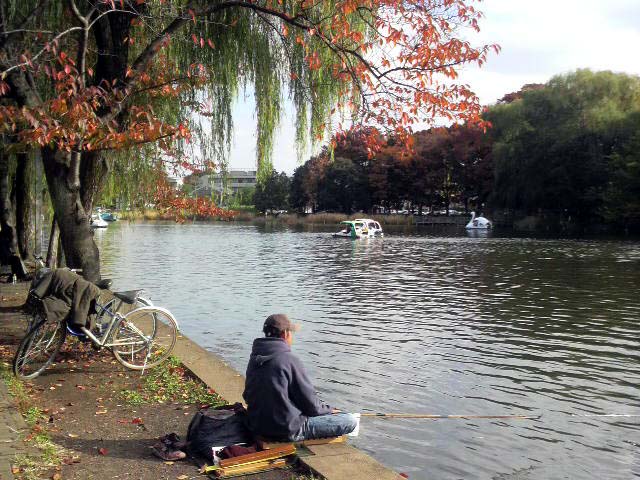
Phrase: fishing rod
(500, 417)
(438, 417)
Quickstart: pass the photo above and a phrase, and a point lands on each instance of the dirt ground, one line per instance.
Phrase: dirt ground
(99, 434)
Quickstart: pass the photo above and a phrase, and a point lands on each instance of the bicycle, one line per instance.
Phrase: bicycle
(113, 304)
(131, 337)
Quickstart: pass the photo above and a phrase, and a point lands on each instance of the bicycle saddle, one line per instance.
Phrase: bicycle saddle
(130, 296)
(104, 284)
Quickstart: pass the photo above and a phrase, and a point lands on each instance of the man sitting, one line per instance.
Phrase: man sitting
(281, 401)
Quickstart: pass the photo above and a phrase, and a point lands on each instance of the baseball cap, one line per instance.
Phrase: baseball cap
(280, 322)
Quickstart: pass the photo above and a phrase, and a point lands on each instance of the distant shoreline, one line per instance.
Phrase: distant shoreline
(545, 225)
(284, 219)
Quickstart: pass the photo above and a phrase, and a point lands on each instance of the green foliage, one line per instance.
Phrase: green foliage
(570, 147)
(622, 194)
(272, 192)
(339, 186)
(242, 199)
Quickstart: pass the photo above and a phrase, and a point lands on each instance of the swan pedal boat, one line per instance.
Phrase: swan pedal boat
(360, 228)
(478, 223)
(98, 222)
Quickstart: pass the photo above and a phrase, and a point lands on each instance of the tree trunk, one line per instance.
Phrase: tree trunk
(8, 239)
(61, 260)
(25, 205)
(54, 240)
(63, 178)
(39, 197)
(93, 175)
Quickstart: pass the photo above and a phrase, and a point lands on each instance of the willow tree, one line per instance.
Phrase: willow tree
(81, 78)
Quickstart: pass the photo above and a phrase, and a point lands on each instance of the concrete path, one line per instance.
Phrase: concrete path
(11, 427)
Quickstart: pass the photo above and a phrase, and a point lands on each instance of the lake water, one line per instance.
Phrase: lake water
(425, 323)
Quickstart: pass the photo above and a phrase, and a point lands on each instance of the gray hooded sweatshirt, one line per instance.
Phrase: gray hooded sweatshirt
(278, 391)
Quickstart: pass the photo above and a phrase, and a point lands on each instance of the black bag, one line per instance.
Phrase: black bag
(217, 428)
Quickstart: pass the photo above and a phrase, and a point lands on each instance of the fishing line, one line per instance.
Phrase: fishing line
(500, 417)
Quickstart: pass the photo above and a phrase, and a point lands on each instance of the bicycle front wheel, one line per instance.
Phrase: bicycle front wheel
(38, 349)
(144, 337)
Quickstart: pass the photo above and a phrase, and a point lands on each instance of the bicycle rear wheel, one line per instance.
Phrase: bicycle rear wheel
(38, 349)
(144, 337)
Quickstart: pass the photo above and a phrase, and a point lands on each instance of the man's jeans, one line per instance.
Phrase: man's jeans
(323, 426)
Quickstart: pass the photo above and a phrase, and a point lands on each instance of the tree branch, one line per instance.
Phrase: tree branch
(5, 35)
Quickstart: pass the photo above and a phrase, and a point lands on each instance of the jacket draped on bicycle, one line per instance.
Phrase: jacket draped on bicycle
(66, 295)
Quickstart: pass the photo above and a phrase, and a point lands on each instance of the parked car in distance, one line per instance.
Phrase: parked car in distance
(452, 212)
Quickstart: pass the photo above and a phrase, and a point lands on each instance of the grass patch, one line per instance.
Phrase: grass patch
(16, 388)
(27, 467)
(31, 467)
(133, 397)
(32, 415)
(171, 382)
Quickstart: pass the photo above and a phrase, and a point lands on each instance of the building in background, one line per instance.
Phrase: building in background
(221, 185)
(173, 182)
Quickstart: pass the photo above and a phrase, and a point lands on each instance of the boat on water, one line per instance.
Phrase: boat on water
(98, 222)
(109, 216)
(478, 223)
(359, 228)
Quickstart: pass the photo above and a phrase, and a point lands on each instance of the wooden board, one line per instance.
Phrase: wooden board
(271, 454)
(250, 468)
(317, 441)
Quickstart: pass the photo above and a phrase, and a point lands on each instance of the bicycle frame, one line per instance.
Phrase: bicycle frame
(116, 318)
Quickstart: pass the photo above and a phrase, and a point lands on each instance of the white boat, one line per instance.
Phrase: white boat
(478, 223)
(98, 222)
(360, 228)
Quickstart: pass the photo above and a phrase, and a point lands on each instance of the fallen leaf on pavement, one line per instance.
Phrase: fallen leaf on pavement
(102, 451)
(137, 421)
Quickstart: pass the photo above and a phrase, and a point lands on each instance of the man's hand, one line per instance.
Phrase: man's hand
(336, 410)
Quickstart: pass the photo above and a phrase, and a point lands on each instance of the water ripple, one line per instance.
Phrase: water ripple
(425, 324)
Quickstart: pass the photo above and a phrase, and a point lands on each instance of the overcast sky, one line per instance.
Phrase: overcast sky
(539, 39)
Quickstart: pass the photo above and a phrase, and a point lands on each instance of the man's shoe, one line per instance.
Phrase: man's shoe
(166, 454)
